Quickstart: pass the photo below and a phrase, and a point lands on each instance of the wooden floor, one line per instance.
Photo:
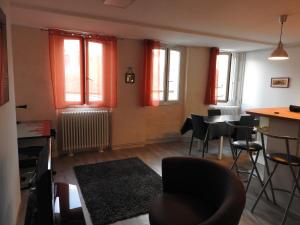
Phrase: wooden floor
(266, 213)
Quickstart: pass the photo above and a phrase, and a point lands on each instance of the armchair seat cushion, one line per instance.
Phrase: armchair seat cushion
(179, 209)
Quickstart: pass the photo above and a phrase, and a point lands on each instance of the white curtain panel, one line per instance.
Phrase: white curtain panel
(238, 62)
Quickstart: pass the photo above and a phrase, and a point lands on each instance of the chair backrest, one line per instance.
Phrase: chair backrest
(199, 127)
(247, 121)
(211, 181)
(238, 132)
(214, 112)
(286, 139)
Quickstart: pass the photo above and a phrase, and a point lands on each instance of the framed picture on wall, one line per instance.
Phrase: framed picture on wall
(280, 82)
(4, 94)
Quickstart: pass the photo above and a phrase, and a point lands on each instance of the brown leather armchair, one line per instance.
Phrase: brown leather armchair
(197, 191)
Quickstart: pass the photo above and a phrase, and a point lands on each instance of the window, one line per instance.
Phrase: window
(223, 68)
(92, 90)
(83, 69)
(168, 61)
(72, 75)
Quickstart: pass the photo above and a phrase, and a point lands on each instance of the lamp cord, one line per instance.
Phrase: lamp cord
(281, 31)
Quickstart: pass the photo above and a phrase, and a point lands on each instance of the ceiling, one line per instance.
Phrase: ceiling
(238, 25)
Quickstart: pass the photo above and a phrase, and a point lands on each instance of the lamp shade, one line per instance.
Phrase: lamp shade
(279, 53)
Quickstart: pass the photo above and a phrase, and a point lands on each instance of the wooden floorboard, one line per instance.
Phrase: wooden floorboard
(266, 213)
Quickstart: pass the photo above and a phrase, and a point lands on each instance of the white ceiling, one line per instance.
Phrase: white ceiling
(240, 25)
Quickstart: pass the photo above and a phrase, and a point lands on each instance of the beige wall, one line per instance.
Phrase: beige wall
(132, 124)
(32, 74)
(9, 168)
(196, 77)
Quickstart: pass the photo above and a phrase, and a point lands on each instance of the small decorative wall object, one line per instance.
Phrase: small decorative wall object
(280, 82)
(129, 76)
(4, 96)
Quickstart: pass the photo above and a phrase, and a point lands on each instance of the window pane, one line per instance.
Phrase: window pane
(72, 70)
(95, 76)
(223, 79)
(174, 71)
(159, 74)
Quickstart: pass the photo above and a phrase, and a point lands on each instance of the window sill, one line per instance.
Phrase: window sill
(164, 103)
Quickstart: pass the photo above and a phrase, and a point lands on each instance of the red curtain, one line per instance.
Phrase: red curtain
(212, 80)
(57, 65)
(64, 85)
(151, 73)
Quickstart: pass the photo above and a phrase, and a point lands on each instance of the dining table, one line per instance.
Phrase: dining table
(217, 128)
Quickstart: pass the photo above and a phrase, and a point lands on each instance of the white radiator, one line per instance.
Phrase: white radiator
(85, 130)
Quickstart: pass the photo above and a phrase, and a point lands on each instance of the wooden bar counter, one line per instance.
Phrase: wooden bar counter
(283, 113)
(281, 122)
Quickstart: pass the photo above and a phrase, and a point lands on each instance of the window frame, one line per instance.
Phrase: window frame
(82, 72)
(165, 100)
(84, 54)
(228, 77)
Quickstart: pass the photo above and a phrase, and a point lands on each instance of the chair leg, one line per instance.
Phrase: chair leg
(191, 144)
(203, 148)
(257, 172)
(233, 150)
(264, 187)
(206, 147)
(291, 198)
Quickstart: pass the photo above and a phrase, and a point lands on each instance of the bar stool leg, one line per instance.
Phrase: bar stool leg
(235, 162)
(264, 187)
(291, 199)
(268, 173)
(257, 172)
(295, 178)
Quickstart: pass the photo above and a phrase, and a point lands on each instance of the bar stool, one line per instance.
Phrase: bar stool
(240, 139)
(279, 158)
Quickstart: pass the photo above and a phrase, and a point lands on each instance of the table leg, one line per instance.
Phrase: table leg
(220, 148)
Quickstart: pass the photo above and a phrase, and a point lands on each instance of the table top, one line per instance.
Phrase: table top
(283, 113)
(34, 129)
(222, 118)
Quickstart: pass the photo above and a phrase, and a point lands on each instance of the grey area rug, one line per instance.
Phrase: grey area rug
(117, 190)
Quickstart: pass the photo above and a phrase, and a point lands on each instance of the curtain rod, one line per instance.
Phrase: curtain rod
(80, 32)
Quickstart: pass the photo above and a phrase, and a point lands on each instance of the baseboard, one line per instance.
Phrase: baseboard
(163, 140)
(147, 142)
(128, 145)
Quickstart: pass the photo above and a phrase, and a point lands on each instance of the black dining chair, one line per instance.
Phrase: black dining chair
(200, 131)
(214, 112)
(240, 139)
(280, 158)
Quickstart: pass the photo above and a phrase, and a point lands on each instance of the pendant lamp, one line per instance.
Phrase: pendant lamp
(279, 53)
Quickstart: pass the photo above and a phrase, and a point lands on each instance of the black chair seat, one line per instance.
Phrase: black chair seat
(179, 209)
(283, 159)
(31, 151)
(253, 146)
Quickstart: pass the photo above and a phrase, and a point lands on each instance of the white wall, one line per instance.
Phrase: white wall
(9, 168)
(259, 70)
